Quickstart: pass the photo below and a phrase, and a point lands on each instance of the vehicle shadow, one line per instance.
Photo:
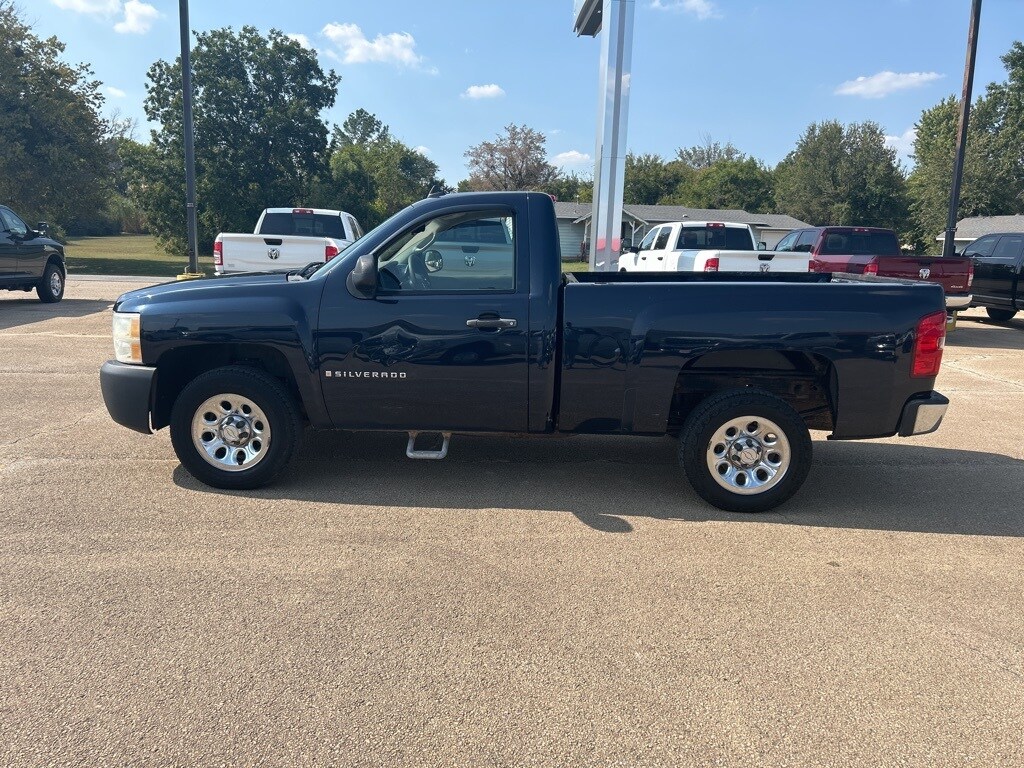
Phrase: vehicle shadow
(981, 332)
(28, 310)
(606, 482)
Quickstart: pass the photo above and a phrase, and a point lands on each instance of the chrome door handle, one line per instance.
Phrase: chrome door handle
(491, 322)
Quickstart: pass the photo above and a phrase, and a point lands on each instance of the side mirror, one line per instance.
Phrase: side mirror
(42, 227)
(762, 246)
(433, 261)
(629, 248)
(362, 280)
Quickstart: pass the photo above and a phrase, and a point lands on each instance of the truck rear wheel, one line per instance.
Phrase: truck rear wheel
(745, 450)
(235, 427)
(1000, 315)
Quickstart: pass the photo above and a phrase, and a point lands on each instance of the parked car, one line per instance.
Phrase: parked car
(739, 369)
(29, 259)
(876, 251)
(286, 238)
(707, 246)
(998, 264)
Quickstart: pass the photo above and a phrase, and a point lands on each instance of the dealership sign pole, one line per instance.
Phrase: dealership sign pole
(615, 19)
(948, 244)
(190, 155)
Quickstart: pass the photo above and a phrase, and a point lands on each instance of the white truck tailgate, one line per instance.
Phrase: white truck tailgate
(761, 261)
(254, 253)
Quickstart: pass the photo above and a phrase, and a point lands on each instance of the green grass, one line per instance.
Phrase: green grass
(125, 255)
(575, 266)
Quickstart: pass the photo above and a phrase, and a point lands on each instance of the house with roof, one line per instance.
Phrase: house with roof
(970, 229)
(637, 220)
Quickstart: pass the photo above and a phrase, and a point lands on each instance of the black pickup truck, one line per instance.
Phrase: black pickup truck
(998, 274)
(29, 259)
(453, 316)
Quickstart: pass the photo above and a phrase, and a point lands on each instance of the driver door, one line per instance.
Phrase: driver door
(443, 345)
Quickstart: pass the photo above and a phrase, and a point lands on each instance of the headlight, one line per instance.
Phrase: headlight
(127, 344)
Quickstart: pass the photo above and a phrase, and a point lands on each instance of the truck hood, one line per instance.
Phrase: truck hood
(228, 286)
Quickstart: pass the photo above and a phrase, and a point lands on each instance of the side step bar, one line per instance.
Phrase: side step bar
(412, 453)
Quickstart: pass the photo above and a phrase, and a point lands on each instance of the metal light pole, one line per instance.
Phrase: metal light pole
(190, 154)
(948, 244)
(613, 20)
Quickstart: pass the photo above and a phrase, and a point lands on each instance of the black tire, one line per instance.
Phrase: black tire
(50, 289)
(713, 414)
(268, 395)
(1000, 315)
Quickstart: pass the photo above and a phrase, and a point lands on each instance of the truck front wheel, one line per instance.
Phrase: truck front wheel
(745, 450)
(50, 289)
(235, 427)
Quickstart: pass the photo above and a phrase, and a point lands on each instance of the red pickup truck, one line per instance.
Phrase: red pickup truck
(875, 251)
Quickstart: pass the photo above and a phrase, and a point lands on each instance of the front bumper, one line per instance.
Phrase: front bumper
(958, 301)
(923, 414)
(128, 394)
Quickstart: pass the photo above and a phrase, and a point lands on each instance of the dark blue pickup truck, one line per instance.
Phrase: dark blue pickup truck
(454, 316)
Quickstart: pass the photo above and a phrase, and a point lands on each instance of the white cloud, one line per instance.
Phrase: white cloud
(394, 48)
(117, 93)
(702, 9)
(300, 39)
(490, 91)
(882, 84)
(904, 143)
(138, 18)
(572, 157)
(97, 7)
(422, 150)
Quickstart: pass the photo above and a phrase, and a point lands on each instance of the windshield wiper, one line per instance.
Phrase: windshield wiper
(306, 272)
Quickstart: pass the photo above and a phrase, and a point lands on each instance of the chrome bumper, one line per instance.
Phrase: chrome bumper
(922, 415)
(960, 301)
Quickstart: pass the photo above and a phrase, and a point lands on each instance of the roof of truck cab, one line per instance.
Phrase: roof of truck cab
(315, 211)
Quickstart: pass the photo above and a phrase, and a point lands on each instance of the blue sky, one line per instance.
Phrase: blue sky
(450, 73)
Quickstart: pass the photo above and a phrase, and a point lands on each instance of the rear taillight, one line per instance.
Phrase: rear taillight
(711, 265)
(970, 274)
(330, 252)
(871, 268)
(931, 338)
(218, 253)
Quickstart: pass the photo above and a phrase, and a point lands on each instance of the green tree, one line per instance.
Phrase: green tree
(572, 188)
(54, 153)
(745, 184)
(647, 179)
(993, 180)
(259, 136)
(372, 174)
(707, 153)
(515, 160)
(843, 175)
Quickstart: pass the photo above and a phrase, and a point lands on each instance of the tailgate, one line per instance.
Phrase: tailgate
(950, 273)
(253, 253)
(762, 261)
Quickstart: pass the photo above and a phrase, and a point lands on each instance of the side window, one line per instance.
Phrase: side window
(982, 247)
(12, 223)
(662, 240)
(787, 243)
(455, 252)
(1009, 247)
(805, 240)
(647, 241)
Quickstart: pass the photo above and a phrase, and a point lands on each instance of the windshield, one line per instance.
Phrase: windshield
(303, 225)
(718, 238)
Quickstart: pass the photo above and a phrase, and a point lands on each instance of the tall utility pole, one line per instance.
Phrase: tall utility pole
(948, 244)
(613, 20)
(190, 152)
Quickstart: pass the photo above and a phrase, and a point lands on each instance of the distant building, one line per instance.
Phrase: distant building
(970, 229)
(574, 223)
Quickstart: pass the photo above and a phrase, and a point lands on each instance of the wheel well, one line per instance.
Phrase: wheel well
(55, 259)
(177, 367)
(804, 380)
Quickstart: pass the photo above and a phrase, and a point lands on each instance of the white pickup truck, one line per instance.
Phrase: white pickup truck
(707, 246)
(286, 238)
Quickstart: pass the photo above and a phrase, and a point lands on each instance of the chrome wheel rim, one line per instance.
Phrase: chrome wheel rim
(56, 283)
(231, 432)
(748, 455)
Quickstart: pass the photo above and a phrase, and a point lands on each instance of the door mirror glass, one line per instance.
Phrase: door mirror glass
(362, 280)
(433, 261)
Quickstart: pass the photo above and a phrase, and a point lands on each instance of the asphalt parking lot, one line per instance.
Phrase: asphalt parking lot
(526, 602)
